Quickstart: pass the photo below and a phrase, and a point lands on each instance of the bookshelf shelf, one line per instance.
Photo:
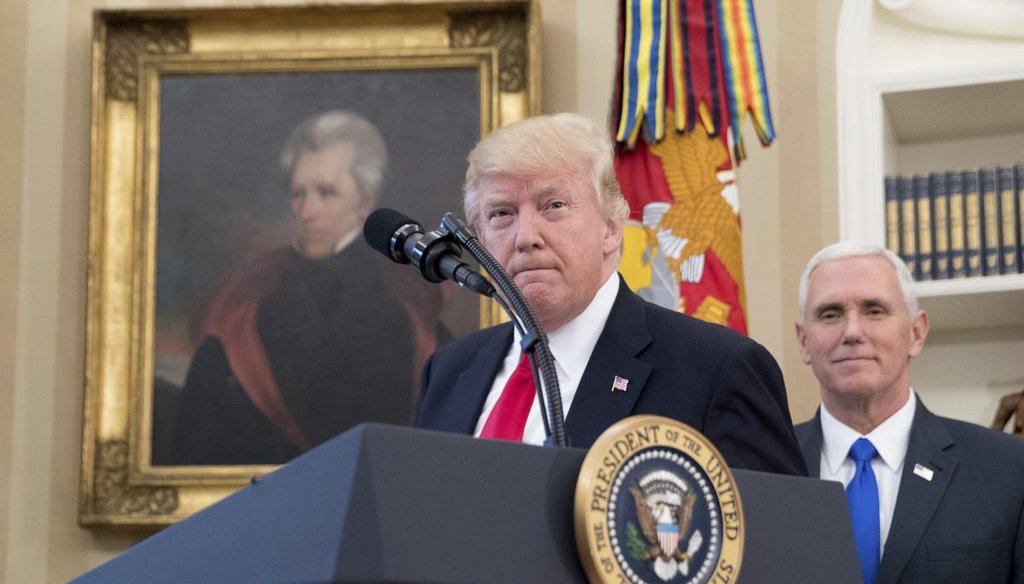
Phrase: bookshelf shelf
(914, 100)
(974, 303)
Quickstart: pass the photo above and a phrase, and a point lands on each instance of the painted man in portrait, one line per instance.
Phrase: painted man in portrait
(307, 340)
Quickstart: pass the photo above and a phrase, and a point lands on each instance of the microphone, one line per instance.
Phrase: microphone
(434, 255)
(535, 340)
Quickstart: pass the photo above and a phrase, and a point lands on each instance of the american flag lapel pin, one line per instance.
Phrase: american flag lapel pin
(620, 383)
(924, 472)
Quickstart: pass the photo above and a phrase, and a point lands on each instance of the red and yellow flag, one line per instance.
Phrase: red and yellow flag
(688, 72)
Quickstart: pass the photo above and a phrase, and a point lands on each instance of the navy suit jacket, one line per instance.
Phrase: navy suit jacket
(966, 524)
(721, 383)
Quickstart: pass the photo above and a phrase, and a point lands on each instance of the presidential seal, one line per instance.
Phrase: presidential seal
(655, 502)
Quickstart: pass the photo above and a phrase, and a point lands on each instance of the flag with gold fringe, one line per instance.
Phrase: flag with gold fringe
(688, 73)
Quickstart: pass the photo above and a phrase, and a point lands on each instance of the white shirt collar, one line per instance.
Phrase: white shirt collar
(890, 438)
(572, 344)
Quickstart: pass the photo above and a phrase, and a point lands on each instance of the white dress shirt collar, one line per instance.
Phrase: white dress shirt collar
(890, 438)
(572, 344)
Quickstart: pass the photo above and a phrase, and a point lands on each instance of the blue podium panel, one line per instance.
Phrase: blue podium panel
(378, 504)
(386, 504)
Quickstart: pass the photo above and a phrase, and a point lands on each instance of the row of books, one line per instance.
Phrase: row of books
(957, 224)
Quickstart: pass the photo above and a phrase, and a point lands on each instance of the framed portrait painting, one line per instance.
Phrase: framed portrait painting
(236, 317)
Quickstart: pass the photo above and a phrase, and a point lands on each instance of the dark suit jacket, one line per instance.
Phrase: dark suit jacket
(721, 383)
(966, 524)
(339, 346)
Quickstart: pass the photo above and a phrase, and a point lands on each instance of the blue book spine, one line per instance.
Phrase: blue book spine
(1008, 260)
(957, 226)
(940, 220)
(908, 223)
(972, 224)
(989, 200)
(925, 239)
(1018, 176)
(892, 215)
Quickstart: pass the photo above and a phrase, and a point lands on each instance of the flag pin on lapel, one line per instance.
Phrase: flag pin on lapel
(924, 472)
(620, 383)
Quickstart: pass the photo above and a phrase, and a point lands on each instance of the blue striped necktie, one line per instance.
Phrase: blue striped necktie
(862, 498)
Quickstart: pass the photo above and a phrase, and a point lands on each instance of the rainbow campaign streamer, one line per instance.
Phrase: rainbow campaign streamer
(642, 49)
(744, 71)
(698, 57)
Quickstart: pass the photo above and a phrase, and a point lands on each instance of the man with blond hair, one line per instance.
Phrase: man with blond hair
(543, 198)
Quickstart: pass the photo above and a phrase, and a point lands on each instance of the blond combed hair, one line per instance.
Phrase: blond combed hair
(563, 144)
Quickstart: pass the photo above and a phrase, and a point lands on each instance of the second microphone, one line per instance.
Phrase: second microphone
(434, 255)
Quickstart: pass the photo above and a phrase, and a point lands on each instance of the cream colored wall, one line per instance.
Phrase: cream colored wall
(47, 128)
(12, 79)
(787, 197)
(788, 190)
(805, 100)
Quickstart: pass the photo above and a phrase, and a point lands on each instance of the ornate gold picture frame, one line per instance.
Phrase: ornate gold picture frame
(191, 112)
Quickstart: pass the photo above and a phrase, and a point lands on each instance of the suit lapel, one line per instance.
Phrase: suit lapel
(810, 437)
(918, 498)
(470, 389)
(596, 405)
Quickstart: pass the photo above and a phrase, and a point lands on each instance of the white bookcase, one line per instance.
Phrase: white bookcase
(936, 85)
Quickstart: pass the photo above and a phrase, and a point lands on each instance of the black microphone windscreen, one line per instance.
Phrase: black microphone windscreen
(381, 225)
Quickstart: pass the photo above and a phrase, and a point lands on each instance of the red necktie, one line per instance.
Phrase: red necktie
(508, 418)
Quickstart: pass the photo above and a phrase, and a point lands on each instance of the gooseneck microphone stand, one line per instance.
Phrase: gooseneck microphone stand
(534, 341)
